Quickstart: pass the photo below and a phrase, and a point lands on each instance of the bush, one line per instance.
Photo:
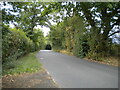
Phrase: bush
(81, 46)
(115, 50)
(15, 43)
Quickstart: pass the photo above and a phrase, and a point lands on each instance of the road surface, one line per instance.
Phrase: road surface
(73, 72)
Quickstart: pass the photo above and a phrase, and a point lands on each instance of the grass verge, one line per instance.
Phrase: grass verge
(25, 64)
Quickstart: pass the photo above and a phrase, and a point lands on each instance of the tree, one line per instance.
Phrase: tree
(106, 12)
(100, 20)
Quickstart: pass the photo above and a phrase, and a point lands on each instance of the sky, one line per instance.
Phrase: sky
(44, 29)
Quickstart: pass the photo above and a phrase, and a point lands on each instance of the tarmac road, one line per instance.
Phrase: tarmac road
(73, 72)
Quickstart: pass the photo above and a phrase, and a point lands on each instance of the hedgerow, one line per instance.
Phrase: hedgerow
(15, 44)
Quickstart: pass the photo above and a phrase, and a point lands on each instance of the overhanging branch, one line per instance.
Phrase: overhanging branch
(114, 33)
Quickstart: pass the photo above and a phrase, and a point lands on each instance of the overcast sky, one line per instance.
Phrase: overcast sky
(44, 29)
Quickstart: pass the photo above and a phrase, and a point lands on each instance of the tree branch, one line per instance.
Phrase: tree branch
(116, 23)
(114, 33)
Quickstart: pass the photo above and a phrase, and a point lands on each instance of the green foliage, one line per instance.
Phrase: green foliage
(114, 51)
(70, 35)
(24, 38)
(81, 47)
(100, 29)
(28, 63)
(15, 43)
(82, 28)
(38, 39)
(56, 37)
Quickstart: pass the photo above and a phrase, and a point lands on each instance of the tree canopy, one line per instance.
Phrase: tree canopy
(83, 28)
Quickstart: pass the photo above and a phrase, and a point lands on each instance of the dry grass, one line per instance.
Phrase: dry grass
(106, 60)
(66, 52)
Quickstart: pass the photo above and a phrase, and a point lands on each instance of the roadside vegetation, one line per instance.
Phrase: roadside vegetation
(19, 42)
(89, 31)
(17, 56)
(84, 29)
(26, 64)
